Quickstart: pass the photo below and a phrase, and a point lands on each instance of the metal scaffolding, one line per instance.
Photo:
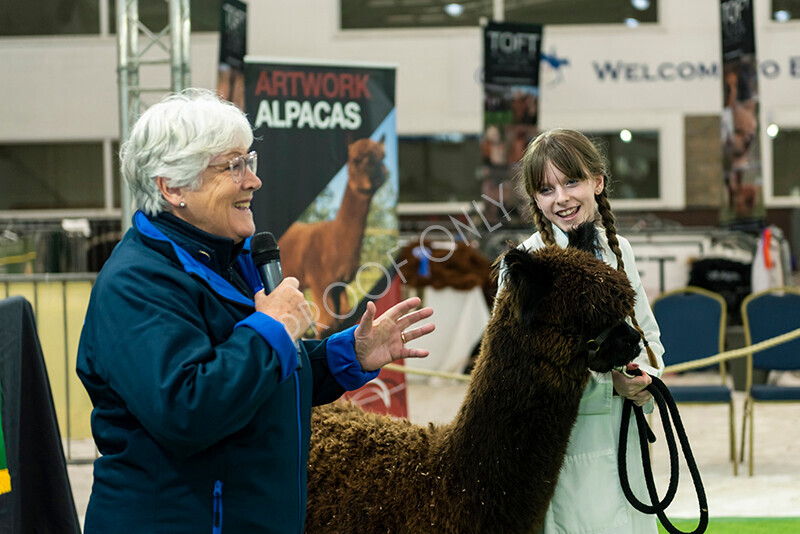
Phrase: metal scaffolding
(169, 47)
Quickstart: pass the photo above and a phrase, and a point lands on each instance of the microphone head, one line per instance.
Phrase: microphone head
(264, 248)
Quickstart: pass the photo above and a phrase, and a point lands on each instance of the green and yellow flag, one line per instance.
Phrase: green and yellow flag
(5, 478)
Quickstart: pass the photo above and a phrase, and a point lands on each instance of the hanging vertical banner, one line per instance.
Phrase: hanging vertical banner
(326, 139)
(232, 49)
(327, 146)
(511, 56)
(743, 205)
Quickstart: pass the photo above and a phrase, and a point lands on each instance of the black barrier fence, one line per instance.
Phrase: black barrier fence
(59, 304)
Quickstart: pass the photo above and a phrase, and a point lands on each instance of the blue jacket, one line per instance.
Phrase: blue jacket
(201, 414)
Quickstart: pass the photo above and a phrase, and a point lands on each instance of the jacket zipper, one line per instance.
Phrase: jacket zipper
(299, 455)
(217, 529)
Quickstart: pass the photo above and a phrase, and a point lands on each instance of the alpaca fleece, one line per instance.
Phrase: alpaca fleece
(495, 467)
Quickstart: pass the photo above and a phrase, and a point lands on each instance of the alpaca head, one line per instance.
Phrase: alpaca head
(366, 169)
(571, 294)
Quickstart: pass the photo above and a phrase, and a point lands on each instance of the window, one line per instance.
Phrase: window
(785, 10)
(439, 168)
(446, 168)
(633, 156)
(52, 176)
(79, 17)
(205, 15)
(630, 12)
(49, 17)
(786, 163)
(360, 14)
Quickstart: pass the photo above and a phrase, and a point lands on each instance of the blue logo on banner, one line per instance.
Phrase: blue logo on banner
(555, 63)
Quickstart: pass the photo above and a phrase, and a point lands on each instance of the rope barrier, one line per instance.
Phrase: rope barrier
(686, 366)
(427, 372)
(735, 353)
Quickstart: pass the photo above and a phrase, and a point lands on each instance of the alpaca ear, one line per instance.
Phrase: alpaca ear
(499, 264)
(584, 237)
(529, 279)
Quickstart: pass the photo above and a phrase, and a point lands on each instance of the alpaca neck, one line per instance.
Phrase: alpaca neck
(506, 447)
(353, 210)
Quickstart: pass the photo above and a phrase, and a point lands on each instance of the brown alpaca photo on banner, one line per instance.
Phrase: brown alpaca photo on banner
(495, 467)
(325, 255)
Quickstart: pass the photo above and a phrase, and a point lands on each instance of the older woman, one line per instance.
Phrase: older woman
(201, 401)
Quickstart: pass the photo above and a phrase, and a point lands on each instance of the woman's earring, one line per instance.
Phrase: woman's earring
(182, 204)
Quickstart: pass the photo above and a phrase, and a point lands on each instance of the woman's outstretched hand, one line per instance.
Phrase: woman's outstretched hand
(382, 340)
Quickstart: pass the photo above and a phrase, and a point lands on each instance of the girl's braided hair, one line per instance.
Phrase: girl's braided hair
(576, 156)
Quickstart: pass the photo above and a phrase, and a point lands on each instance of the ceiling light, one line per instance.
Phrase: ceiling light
(454, 10)
(626, 136)
(772, 130)
(641, 5)
(782, 16)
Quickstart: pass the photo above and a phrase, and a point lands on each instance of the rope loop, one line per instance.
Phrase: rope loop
(667, 409)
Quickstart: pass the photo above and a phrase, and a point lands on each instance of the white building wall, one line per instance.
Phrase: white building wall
(64, 88)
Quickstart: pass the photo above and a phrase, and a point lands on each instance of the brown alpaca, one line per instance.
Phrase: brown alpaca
(494, 468)
(324, 253)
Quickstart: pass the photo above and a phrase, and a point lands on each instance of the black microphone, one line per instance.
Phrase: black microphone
(267, 257)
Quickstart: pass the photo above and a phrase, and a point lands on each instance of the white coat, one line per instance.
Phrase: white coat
(588, 496)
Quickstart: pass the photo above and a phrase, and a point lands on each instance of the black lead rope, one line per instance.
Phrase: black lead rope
(667, 408)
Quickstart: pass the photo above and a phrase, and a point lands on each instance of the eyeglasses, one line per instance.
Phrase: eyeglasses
(239, 165)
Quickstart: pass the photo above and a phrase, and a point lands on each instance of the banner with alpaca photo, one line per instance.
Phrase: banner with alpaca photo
(511, 56)
(743, 206)
(326, 139)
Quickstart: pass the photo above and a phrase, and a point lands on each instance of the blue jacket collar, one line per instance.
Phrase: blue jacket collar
(218, 253)
(217, 283)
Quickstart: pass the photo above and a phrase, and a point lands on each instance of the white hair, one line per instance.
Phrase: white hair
(177, 139)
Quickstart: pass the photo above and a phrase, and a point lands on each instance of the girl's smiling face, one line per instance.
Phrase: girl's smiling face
(568, 201)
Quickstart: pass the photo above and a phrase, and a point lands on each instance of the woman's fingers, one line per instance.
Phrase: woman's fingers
(286, 304)
(415, 333)
(397, 311)
(413, 318)
(369, 315)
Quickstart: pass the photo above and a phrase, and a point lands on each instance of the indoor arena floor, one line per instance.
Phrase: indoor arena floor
(772, 491)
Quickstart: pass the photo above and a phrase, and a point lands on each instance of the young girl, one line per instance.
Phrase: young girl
(565, 178)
